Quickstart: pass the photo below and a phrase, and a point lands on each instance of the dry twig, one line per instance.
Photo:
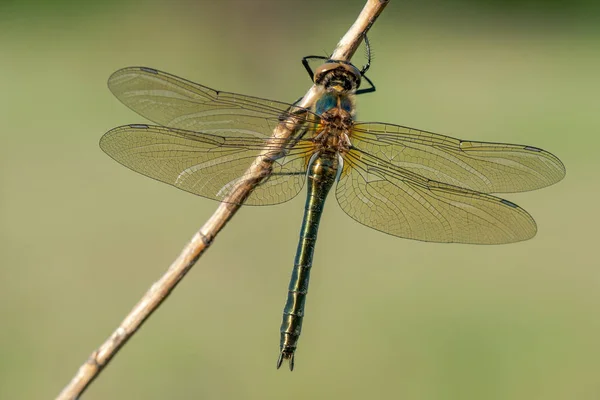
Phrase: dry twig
(203, 238)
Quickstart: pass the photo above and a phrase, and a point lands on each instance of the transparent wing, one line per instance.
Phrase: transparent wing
(480, 166)
(206, 164)
(399, 202)
(171, 101)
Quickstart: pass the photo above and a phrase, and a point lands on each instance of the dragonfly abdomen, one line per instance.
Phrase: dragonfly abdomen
(322, 173)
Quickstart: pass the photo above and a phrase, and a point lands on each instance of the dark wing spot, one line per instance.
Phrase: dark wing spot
(149, 70)
(531, 148)
(138, 126)
(508, 203)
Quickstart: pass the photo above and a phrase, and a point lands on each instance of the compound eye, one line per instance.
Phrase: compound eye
(323, 70)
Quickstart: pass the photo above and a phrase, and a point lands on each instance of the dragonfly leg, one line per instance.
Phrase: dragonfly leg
(370, 89)
(366, 67)
(307, 65)
(288, 173)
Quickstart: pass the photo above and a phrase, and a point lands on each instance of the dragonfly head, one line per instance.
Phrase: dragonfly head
(340, 76)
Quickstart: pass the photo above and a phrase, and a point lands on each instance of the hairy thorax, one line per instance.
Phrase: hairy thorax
(337, 119)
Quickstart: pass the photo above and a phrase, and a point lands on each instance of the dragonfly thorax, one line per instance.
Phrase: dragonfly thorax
(337, 119)
(333, 130)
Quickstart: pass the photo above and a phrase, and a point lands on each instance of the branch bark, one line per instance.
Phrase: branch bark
(201, 241)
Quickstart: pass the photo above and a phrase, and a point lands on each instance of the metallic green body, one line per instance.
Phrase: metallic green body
(322, 173)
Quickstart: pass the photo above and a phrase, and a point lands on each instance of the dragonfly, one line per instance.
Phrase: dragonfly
(402, 181)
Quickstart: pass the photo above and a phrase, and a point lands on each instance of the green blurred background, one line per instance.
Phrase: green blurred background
(82, 238)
